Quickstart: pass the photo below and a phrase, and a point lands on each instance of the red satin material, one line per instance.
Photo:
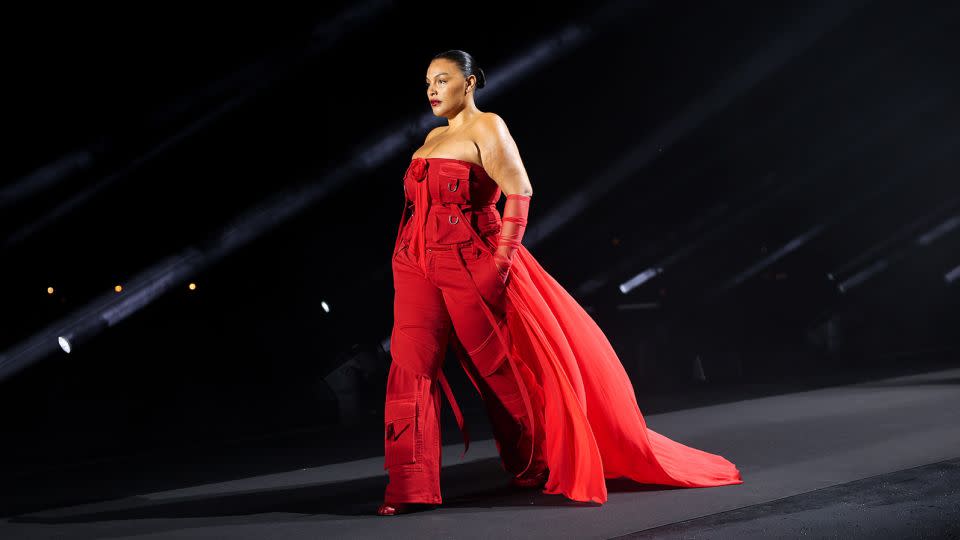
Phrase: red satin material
(593, 425)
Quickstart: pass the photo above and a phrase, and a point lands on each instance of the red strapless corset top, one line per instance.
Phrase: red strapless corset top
(444, 198)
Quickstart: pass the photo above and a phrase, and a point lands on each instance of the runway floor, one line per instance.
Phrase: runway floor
(875, 459)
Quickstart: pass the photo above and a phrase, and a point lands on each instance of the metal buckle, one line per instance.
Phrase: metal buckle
(453, 219)
(455, 187)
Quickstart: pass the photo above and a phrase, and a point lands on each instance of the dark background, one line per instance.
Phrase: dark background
(761, 153)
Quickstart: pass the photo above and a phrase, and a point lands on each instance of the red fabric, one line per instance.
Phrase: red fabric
(511, 235)
(593, 426)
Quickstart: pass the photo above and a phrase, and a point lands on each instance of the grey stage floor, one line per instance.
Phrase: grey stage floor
(867, 460)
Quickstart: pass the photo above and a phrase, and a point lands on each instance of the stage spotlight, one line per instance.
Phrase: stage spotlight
(64, 343)
(118, 288)
(640, 279)
(49, 290)
(325, 306)
(192, 286)
(69, 338)
(952, 275)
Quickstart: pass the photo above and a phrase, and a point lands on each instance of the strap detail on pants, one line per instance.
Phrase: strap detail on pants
(456, 412)
(418, 236)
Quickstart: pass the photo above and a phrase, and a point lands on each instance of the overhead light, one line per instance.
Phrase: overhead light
(64, 343)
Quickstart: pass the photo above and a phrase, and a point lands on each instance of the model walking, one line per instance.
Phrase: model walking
(562, 408)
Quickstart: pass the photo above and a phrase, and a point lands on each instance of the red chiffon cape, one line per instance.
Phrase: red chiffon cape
(593, 426)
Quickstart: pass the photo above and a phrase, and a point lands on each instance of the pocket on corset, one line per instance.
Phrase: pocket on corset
(453, 183)
(447, 227)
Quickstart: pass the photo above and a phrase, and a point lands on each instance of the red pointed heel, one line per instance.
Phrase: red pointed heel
(537, 480)
(392, 509)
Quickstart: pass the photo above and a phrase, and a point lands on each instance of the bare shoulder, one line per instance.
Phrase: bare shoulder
(491, 123)
(500, 155)
(490, 132)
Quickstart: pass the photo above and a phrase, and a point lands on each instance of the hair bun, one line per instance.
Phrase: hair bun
(466, 64)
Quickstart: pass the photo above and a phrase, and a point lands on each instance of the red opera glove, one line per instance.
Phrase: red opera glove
(511, 232)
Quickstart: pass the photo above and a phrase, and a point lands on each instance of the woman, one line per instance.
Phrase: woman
(562, 408)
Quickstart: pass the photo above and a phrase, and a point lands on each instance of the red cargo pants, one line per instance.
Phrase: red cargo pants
(427, 308)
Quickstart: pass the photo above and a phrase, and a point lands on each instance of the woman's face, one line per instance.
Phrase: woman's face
(445, 87)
